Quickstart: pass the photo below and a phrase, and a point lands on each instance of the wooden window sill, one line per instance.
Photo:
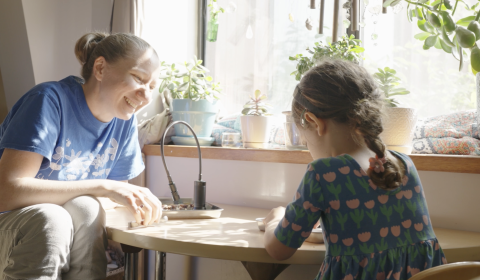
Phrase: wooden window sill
(442, 163)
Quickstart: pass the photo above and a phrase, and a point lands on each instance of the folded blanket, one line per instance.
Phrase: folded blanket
(456, 133)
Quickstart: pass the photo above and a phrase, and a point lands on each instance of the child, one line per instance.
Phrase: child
(370, 201)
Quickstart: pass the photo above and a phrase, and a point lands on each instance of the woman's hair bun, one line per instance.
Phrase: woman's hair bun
(86, 44)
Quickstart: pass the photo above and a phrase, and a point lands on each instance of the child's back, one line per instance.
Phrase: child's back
(370, 200)
(370, 233)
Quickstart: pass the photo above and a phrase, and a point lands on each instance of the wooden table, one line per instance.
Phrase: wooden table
(235, 236)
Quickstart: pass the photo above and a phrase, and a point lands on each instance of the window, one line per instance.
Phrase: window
(436, 86)
(243, 65)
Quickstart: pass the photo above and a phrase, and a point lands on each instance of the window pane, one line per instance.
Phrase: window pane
(243, 65)
(436, 86)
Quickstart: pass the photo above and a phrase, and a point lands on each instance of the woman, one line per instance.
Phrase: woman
(62, 145)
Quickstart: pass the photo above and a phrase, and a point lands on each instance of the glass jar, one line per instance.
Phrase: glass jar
(212, 29)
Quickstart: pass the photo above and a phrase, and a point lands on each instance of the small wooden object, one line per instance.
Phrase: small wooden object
(336, 14)
(354, 16)
(322, 8)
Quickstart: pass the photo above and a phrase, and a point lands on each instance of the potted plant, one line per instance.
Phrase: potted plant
(399, 124)
(440, 30)
(397, 119)
(194, 100)
(256, 122)
(347, 48)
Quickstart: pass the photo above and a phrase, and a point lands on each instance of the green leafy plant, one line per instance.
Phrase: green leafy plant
(441, 31)
(189, 81)
(256, 106)
(389, 83)
(215, 10)
(347, 48)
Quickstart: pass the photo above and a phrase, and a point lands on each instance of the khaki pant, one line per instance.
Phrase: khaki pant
(47, 241)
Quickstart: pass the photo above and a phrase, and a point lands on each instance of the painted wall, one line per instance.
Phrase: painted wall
(15, 58)
(3, 100)
(53, 27)
(38, 38)
(452, 201)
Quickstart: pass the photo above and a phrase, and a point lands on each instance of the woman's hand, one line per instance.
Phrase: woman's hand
(139, 200)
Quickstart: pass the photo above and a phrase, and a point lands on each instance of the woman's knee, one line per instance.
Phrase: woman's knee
(86, 210)
(46, 223)
(51, 217)
(42, 238)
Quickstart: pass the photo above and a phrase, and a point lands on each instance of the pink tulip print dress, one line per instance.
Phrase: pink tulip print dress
(370, 233)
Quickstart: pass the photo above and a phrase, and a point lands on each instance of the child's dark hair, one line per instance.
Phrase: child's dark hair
(344, 92)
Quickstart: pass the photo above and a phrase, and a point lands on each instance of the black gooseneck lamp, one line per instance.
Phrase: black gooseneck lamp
(199, 187)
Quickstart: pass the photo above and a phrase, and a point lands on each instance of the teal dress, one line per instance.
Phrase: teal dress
(370, 233)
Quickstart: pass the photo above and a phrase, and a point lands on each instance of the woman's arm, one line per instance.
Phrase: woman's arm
(274, 247)
(19, 188)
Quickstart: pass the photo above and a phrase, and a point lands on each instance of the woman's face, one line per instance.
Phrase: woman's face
(127, 85)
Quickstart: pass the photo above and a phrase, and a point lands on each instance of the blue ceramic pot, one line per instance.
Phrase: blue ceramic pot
(200, 115)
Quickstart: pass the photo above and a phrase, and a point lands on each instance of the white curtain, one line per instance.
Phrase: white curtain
(128, 16)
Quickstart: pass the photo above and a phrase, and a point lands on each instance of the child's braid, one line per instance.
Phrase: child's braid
(346, 93)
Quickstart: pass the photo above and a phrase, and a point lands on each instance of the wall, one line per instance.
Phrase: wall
(53, 27)
(3, 100)
(15, 58)
(452, 200)
(38, 38)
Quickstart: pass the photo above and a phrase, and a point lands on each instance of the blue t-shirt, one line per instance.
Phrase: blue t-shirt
(53, 120)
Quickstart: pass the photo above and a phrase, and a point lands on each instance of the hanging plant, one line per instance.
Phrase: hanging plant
(212, 25)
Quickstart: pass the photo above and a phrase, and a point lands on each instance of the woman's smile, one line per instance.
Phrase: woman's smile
(131, 103)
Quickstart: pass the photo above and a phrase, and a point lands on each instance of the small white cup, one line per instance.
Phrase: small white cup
(231, 140)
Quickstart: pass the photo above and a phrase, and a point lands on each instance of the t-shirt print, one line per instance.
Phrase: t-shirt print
(72, 165)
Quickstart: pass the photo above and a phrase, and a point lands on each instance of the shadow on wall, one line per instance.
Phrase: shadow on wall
(3, 101)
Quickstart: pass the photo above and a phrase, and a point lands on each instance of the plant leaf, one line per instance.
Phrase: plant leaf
(258, 93)
(465, 21)
(422, 36)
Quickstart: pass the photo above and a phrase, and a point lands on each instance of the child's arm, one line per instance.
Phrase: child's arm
(274, 247)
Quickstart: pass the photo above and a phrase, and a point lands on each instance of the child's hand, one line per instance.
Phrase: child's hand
(275, 215)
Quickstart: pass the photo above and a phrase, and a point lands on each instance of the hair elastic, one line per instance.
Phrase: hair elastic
(376, 164)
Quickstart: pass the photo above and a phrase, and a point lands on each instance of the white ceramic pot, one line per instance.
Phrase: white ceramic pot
(398, 129)
(256, 131)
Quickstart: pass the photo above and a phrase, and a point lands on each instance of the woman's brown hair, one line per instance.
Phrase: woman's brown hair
(112, 47)
(344, 92)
